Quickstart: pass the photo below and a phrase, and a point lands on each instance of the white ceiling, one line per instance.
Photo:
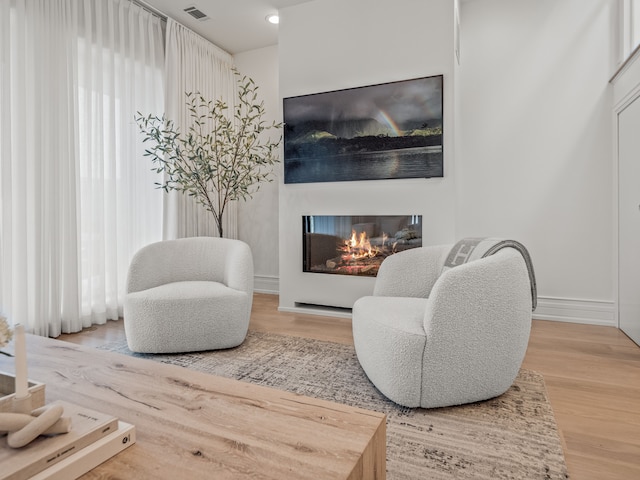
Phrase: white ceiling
(233, 25)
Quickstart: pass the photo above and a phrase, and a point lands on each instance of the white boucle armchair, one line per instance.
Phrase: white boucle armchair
(189, 294)
(428, 338)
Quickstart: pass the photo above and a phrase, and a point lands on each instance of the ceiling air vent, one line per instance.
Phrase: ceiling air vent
(195, 13)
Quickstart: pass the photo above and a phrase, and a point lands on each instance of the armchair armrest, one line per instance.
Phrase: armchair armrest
(238, 270)
(150, 267)
(477, 320)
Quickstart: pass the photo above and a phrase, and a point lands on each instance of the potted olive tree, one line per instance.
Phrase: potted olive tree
(221, 156)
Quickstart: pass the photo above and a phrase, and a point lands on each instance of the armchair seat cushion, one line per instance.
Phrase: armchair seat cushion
(187, 292)
(392, 340)
(206, 313)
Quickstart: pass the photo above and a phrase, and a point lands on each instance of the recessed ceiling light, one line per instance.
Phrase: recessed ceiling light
(273, 18)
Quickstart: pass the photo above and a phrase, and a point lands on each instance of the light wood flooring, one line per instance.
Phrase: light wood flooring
(592, 375)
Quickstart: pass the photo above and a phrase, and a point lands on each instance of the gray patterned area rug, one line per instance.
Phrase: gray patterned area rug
(513, 436)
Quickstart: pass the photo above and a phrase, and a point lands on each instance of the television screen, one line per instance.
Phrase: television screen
(384, 131)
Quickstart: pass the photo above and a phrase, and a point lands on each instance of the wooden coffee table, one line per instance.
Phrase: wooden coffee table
(198, 426)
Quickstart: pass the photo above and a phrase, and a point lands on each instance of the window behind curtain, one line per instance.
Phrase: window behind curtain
(120, 62)
(78, 197)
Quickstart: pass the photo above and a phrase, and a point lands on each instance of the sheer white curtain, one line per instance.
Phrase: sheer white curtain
(77, 197)
(193, 64)
(120, 61)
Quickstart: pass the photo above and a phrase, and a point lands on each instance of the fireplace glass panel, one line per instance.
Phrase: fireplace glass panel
(356, 245)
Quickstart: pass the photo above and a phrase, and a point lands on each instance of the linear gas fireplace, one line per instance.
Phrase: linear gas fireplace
(356, 245)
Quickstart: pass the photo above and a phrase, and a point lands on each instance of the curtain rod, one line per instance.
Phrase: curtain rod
(150, 9)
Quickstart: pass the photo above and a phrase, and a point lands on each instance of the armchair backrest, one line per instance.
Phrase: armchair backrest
(411, 273)
(223, 260)
(492, 291)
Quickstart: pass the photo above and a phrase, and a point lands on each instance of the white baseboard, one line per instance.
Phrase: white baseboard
(266, 284)
(587, 312)
(591, 312)
(318, 310)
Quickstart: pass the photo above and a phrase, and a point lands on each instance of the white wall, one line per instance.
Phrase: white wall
(334, 44)
(258, 217)
(533, 135)
(535, 141)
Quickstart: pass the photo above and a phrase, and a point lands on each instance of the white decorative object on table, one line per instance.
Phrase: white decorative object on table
(24, 424)
(22, 429)
(7, 389)
(22, 400)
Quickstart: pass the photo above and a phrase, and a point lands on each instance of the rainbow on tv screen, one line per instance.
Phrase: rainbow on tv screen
(385, 131)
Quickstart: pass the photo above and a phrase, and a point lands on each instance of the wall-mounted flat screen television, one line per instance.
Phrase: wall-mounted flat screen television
(385, 131)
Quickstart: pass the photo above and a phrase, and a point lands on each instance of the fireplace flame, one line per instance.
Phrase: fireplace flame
(358, 247)
(357, 255)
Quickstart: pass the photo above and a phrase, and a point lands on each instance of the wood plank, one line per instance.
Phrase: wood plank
(592, 375)
(265, 317)
(194, 425)
(573, 394)
(582, 466)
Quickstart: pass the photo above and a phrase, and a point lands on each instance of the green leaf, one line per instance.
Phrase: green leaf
(221, 156)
